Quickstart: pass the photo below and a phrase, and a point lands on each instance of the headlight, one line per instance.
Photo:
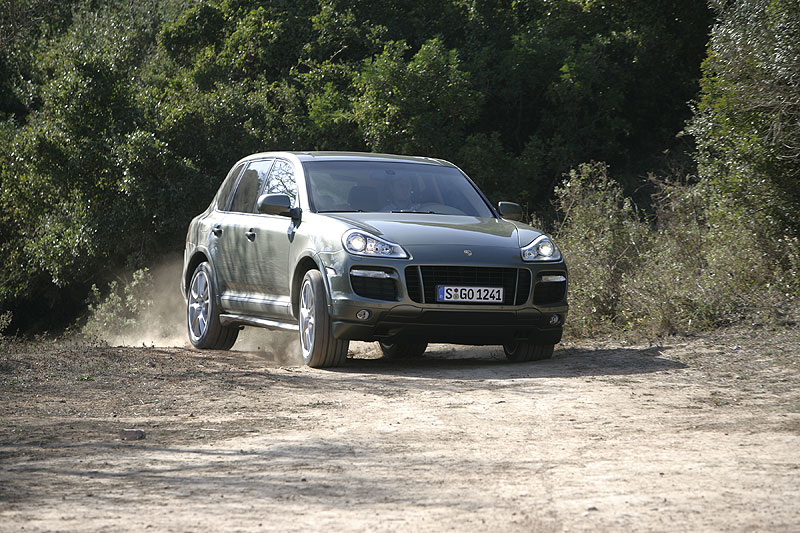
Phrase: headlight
(361, 243)
(541, 249)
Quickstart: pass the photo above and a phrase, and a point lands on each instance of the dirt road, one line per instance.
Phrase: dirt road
(699, 434)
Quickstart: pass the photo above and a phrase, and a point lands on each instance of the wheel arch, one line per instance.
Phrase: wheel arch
(305, 264)
(196, 259)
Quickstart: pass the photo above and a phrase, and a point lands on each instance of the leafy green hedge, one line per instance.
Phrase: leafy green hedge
(689, 265)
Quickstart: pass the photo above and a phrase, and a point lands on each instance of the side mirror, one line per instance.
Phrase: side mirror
(509, 210)
(277, 204)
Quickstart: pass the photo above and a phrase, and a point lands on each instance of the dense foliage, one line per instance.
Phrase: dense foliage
(679, 268)
(748, 118)
(119, 119)
(720, 247)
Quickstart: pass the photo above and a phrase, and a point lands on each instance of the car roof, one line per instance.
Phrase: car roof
(353, 156)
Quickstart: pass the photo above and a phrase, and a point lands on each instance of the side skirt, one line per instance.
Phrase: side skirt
(243, 320)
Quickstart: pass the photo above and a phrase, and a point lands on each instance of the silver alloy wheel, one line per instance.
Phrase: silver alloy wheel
(307, 319)
(199, 305)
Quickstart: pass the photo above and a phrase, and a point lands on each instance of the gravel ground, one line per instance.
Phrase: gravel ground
(696, 434)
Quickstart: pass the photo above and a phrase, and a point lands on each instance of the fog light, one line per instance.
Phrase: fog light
(555, 320)
(362, 315)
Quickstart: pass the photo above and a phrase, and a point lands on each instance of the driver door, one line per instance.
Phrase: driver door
(233, 238)
(267, 256)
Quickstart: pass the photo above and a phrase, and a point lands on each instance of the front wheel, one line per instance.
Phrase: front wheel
(202, 315)
(521, 352)
(403, 349)
(319, 347)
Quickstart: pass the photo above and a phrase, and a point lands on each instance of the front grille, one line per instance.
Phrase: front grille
(549, 292)
(414, 283)
(523, 286)
(375, 288)
(421, 281)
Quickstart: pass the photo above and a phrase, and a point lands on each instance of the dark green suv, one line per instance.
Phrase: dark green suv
(372, 247)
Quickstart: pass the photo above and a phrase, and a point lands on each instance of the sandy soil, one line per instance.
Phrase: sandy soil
(698, 434)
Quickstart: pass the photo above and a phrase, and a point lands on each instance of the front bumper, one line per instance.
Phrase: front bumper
(400, 309)
(457, 326)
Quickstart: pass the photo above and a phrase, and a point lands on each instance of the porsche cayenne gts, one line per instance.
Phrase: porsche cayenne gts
(373, 247)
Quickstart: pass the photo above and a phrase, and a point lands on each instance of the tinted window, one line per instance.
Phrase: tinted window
(251, 182)
(392, 186)
(281, 181)
(225, 192)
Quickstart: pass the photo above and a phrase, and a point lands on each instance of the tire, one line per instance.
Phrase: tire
(403, 349)
(317, 344)
(521, 352)
(202, 314)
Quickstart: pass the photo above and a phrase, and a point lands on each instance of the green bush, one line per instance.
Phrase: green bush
(711, 265)
(603, 237)
(696, 262)
(117, 313)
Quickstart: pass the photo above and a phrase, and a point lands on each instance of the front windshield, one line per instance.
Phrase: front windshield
(391, 187)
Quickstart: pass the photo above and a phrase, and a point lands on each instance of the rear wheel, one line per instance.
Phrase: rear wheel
(202, 315)
(319, 347)
(524, 351)
(403, 349)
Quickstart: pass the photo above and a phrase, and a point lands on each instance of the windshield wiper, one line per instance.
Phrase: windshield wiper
(414, 211)
(342, 211)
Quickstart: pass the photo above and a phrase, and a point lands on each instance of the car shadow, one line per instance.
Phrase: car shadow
(490, 363)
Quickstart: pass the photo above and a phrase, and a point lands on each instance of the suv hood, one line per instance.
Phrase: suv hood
(417, 229)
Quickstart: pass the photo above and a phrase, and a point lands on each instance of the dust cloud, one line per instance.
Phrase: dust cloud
(281, 347)
(163, 324)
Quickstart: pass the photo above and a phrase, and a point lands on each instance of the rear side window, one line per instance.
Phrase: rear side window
(252, 180)
(225, 192)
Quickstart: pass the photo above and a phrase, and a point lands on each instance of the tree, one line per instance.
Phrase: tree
(747, 122)
(420, 106)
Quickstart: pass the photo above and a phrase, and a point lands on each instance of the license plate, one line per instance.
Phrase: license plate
(449, 293)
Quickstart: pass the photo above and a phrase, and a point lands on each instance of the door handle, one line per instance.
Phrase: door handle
(251, 235)
(217, 230)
